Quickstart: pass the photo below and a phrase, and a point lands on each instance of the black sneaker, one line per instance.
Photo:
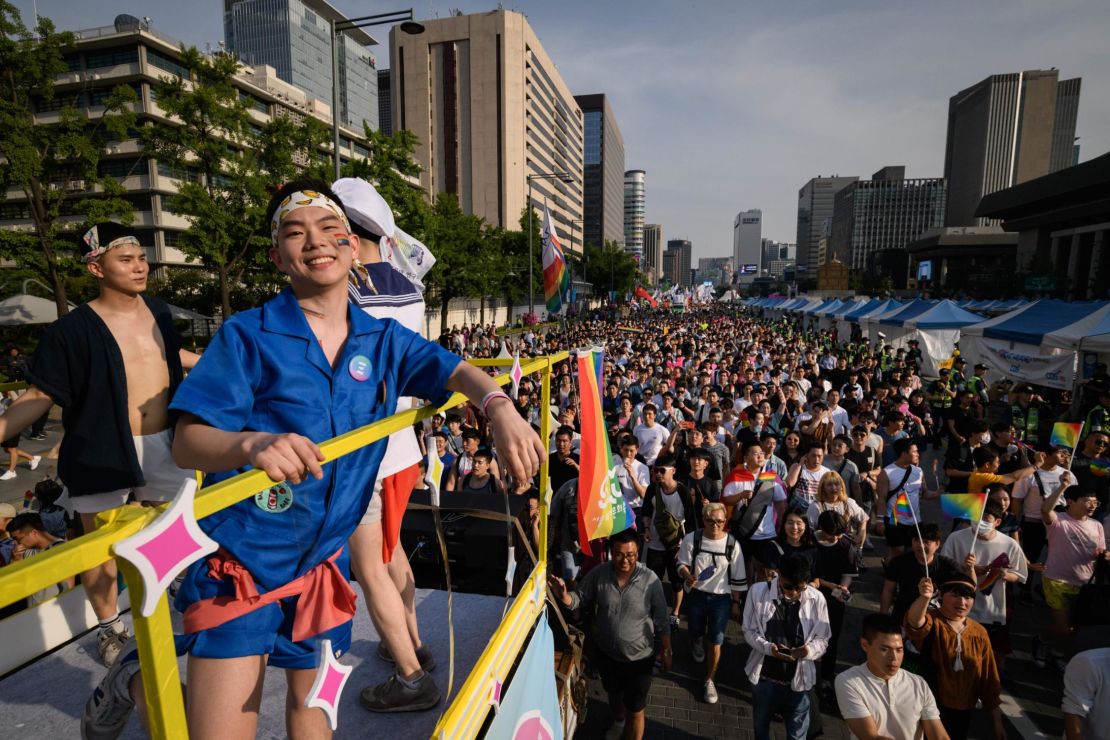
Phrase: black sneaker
(1040, 652)
(109, 707)
(423, 654)
(394, 696)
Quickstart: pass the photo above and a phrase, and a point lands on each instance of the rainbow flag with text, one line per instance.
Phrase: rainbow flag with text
(602, 510)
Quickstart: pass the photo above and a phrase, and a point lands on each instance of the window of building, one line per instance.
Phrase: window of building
(120, 168)
(111, 57)
(163, 62)
(14, 211)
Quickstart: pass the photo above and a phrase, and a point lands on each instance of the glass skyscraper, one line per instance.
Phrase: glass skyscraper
(293, 37)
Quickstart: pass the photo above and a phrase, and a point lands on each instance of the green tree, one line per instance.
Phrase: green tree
(611, 268)
(226, 164)
(463, 247)
(54, 163)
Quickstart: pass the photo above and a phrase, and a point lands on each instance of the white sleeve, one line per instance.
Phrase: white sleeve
(929, 708)
(1021, 488)
(686, 550)
(737, 576)
(849, 699)
(1081, 686)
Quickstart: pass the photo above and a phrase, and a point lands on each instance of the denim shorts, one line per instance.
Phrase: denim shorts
(707, 615)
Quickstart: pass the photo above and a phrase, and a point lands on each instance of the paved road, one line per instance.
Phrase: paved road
(11, 491)
(676, 711)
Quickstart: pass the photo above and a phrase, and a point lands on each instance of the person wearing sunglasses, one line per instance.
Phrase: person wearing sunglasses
(958, 661)
(1095, 445)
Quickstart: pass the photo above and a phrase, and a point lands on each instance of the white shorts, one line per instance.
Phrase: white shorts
(374, 509)
(163, 478)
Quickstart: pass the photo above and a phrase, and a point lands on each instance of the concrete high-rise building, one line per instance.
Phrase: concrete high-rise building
(634, 213)
(652, 263)
(137, 55)
(747, 245)
(672, 267)
(713, 269)
(489, 108)
(1005, 130)
(294, 37)
(385, 103)
(603, 172)
(883, 213)
(815, 210)
(683, 252)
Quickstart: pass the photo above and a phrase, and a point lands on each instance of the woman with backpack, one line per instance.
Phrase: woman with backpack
(712, 568)
(832, 495)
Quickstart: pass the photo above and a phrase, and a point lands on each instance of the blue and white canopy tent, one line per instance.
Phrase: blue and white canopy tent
(889, 322)
(1013, 345)
(876, 308)
(938, 330)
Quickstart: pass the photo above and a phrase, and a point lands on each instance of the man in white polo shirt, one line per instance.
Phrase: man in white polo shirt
(879, 700)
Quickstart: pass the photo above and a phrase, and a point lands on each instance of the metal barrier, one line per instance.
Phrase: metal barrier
(154, 634)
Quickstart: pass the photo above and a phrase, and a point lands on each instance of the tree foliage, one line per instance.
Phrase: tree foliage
(53, 163)
(227, 165)
(610, 267)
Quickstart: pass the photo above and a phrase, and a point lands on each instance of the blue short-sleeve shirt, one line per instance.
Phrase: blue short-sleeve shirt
(265, 371)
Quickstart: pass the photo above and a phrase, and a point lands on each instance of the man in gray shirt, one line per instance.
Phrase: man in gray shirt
(630, 612)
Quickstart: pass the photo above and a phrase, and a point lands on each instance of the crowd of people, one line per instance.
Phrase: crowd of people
(761, 459)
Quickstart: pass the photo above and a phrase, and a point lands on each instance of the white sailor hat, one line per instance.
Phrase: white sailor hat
(364, 206)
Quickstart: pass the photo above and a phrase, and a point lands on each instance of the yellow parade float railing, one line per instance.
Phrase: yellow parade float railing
(464, 717)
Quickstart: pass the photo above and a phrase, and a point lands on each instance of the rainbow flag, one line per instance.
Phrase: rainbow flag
(771, 477)
(1100, 468)
(902, 511)
(1065, 434)
(556, 278)
(963, 505)
(994, 573)
(602, 510)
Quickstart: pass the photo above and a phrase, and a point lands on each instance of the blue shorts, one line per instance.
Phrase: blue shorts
(265, 631)
(707, 615)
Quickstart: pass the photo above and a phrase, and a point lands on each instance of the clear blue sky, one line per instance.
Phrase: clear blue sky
(733, 105)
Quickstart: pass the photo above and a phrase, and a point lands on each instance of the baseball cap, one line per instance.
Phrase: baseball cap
(981, 366)
(7, 511)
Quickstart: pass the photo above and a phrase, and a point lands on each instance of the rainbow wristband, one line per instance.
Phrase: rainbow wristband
(491, 396)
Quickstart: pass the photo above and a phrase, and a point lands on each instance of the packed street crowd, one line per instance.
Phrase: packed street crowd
(759, 459)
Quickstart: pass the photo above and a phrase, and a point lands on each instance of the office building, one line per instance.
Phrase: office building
(747, 245)
(490, 110)
(717, 270)
(634, 213)
(603, 172)
(815, 211)
(385, 103)
(773, 250)
(652, 263)
(137, 55)
(1003, 131)
(294, 37)
(886, 212)
(682, 251)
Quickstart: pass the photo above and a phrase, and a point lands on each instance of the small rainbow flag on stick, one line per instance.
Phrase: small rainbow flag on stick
(1100, 468)
(963, 505)
(769, 476)
(902, 512)
(602, 509)
(1066, 434)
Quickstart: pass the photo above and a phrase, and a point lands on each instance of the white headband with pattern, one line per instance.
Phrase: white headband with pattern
(304, 199)
(96, 249)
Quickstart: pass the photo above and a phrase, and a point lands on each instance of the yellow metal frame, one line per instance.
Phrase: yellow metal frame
(154, 634)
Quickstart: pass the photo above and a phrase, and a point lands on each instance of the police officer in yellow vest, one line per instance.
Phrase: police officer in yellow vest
(977, 384)
(1028, 414)
(1098, 419)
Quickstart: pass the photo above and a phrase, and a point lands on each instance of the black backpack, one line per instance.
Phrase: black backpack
(730, 543)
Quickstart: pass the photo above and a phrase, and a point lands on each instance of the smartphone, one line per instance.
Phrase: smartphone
(687, 425)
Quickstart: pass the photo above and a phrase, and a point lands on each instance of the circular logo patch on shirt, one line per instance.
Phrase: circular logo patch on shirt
(275, 499)
(359, 367)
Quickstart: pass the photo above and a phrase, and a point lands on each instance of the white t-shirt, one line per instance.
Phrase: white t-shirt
(651, 440)
(990, 602)
(1087, 692)
(848, 508)
(898, 706)
(912, 488)
(726, 576)
(641, 473)
(766, 528)
(808, 482)
(842, 424)
(1029, 493)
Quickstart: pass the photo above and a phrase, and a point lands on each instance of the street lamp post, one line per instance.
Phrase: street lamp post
(408, 25)
(580, 222)
(561, 177)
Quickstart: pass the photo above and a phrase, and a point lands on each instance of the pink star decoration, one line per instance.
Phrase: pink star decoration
(495, 695)
(171, 543)
(331, 677)
(516, 374)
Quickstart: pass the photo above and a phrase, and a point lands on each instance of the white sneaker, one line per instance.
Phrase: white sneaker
(697, 651)
(8, 475)
(710, 692)
(34, 462)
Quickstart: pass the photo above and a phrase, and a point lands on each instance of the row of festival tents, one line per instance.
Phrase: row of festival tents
(1048, 342)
